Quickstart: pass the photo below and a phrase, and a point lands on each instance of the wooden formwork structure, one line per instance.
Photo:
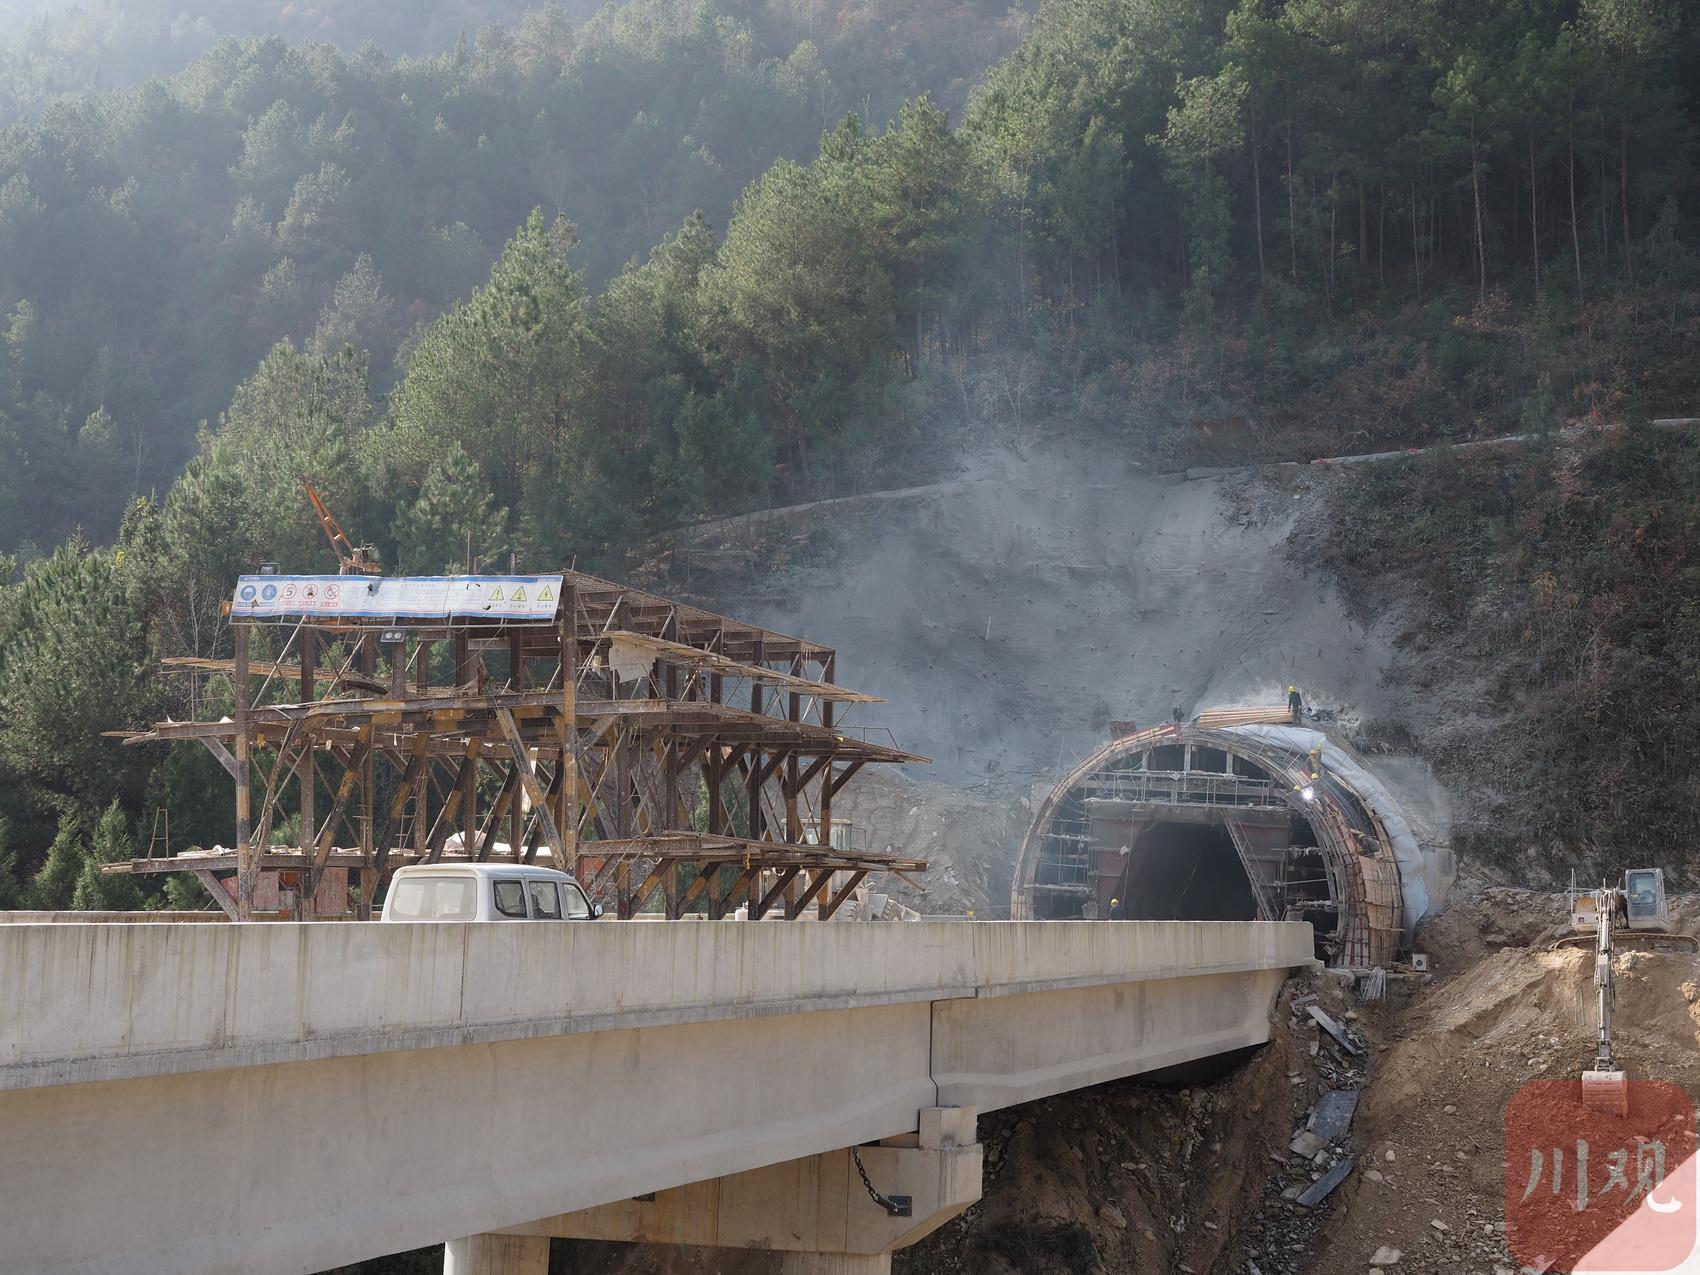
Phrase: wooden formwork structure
(664, 754)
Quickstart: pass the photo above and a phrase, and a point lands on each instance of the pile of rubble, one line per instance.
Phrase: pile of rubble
(1329, 1068)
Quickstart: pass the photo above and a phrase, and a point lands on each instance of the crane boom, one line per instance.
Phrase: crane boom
(353, 559)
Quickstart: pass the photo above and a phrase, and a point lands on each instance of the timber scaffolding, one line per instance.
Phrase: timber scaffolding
(656, 750)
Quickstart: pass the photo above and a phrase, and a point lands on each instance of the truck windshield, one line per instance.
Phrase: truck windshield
(434, 899)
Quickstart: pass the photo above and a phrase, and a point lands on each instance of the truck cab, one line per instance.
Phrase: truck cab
(468, 892)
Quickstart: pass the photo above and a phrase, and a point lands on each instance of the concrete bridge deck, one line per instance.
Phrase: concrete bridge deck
(294, 1097)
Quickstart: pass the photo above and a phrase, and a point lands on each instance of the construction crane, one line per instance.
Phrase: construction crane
(1634, 914)
(354, 560)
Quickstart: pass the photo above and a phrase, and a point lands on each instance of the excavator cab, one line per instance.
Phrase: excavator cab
(1644, 899)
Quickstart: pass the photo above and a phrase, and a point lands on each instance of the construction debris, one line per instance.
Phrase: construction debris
(1324, 1186)
(1331, 1118)
(1335, 1030)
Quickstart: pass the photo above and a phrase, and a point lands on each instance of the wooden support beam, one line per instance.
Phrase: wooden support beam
(268, 807)
(344, 790)
(670, 885)
(467, 773)
(533, 789)
(718, 908)
(844, 777)
(566, 814)
(247, 862)
(307, 807)
(222, 754)
(220, 895)
(755, 778)
(817, 882)
(844, 892)
(828, 785)
(410, 777)
(716, 776)
(422, 799)
(697, 888)
(651, 883)
(786, 877)
(503, 803)
(368, 784)
(623, 883)
(791, 786)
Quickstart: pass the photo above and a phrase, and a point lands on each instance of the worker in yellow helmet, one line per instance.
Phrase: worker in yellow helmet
(1295, 703)
(1117, 911)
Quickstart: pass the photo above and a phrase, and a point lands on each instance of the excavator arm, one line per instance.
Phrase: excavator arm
(354, 559)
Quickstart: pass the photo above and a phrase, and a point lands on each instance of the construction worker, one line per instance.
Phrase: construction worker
(1295, 703)
(1117, 911)
(1316, 763)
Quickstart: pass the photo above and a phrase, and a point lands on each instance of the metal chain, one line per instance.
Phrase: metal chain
(889, 1205)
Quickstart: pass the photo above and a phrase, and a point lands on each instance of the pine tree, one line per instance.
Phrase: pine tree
(452, 511)
(11, 890)
(96, 892)
(55, 882)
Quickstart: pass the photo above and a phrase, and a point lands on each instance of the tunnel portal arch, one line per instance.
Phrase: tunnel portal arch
(1217, 823)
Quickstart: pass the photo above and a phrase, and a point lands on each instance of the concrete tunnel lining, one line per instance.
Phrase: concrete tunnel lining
(1188, 822)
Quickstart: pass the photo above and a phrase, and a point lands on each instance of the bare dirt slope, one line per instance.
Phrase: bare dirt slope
(1502, 1011)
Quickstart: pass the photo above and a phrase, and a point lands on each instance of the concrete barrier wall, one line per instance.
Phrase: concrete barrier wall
(291, 1098)
(104, 1002)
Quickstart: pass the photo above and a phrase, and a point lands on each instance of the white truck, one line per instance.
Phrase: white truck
(467, 892)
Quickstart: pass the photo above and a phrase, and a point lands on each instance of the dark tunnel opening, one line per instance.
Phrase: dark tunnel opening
(1186, 872)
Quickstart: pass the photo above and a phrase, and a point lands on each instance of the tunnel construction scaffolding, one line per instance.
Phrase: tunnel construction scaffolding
(1197, 822)
(666, 755)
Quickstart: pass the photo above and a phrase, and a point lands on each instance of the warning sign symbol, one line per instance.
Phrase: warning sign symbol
(519, 594)
(546, 595)
(496, 594)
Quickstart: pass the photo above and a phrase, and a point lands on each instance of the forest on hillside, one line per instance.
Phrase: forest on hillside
(156, 243)
(727, 277)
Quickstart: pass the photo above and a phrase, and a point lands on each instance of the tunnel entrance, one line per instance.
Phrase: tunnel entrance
(1231, 822)
(1186, 872)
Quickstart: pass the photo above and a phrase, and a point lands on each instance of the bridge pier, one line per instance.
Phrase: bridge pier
(497, 1255)
(817, 1211)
